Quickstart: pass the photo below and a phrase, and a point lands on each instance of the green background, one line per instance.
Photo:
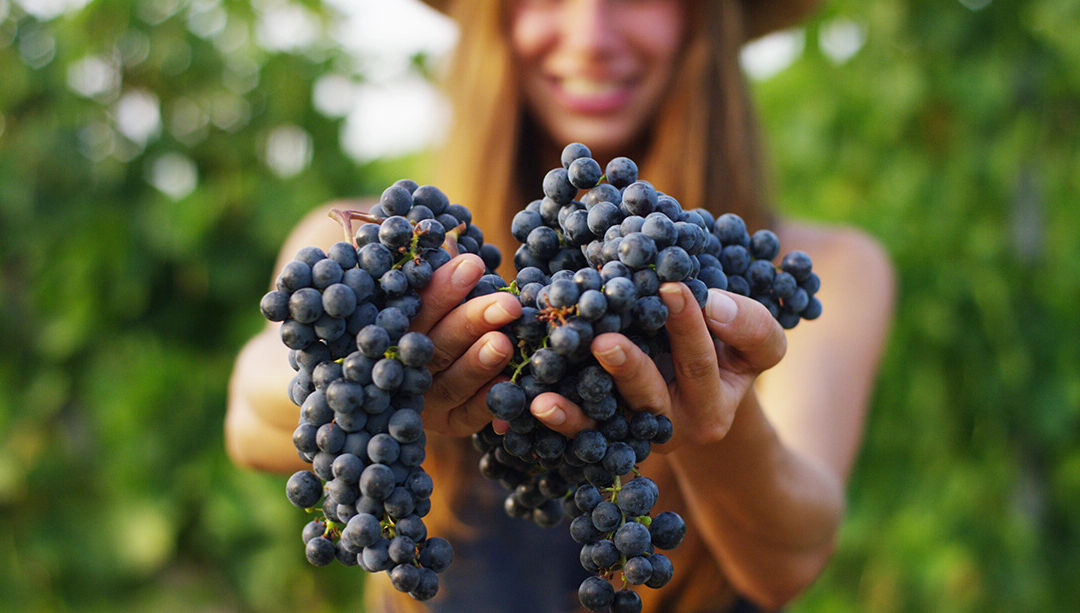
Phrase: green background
(952, 135)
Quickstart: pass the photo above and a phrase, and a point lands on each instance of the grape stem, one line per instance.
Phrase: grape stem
(345, 217)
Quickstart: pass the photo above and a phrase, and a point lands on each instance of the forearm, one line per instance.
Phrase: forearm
(769, 515)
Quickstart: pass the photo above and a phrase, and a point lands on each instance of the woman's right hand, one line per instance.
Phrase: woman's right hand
(470, 352)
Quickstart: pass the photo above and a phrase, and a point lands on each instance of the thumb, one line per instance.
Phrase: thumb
(753, 340)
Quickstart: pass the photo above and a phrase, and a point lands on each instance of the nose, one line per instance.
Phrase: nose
(589, 27)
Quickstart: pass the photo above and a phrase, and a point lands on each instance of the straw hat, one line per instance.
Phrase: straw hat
(762, 16)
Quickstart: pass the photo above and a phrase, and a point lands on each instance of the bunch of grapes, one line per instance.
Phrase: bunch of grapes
(360, 382)
(589, 266)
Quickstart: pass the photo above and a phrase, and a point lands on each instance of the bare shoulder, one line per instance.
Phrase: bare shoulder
(833, 242)
(818, 395)
(844, 257)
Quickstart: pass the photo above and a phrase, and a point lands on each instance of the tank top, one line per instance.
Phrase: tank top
(510, 564)
(514, 566)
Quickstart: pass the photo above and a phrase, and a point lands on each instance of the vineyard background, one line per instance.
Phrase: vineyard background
(154, 153)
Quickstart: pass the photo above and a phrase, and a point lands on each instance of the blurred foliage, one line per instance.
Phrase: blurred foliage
(141, 208)
(953, 135)
(124, 304)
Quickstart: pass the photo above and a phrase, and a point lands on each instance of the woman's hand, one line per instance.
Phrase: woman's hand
(469, 350)
(710, 378)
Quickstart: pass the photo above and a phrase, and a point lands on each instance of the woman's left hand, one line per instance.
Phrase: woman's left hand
(711, 376)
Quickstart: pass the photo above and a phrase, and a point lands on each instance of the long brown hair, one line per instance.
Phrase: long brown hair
(702, 148)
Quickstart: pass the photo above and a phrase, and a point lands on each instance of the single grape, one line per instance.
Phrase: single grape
(304, 489)
(596, 594)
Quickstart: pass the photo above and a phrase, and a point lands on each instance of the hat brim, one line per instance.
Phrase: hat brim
(762, 16)
(765, 16)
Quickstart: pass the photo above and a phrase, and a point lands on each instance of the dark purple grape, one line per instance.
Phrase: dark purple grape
(572, 152)
(604, 192)
(798, 264)
(275, 305)
(673, 264)
(419, 213)
(320, 551)
(543, 242)
(637, 250)
(589, 446)
(596, 594)
(637, 570)
(626, 601)
(764, 245)
(547, 366)
(731, 230)
(428, 586)
(294, 275)
(662, 570)
(431, 197)
(396, 200)
(310, 254)
(667, 530)
(557, 186)
(621, 171)
(394, 321)
(436, 554)
(377, 480)
(620, 294)
(639, 198)
(376, 259)
(632, 539)
(584, 173)
(671, 208)
(304, 489)
(405, 577)
(506, 400)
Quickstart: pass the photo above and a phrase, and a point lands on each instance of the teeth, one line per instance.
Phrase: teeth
(580, 86)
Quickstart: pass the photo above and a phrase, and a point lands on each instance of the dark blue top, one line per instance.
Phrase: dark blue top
(514, 566)
(509, 564)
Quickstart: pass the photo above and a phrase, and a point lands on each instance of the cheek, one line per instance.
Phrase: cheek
(531, 31)
(657, 29)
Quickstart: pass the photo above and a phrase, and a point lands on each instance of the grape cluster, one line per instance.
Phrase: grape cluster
(589, 266)
(360, 382)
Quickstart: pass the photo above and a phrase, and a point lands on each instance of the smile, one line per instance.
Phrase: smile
(588, 95)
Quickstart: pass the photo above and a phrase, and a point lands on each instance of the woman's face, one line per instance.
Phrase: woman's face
(594, 71)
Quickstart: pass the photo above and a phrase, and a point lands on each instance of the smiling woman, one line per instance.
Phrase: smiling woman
(762, 450)
(592, 74)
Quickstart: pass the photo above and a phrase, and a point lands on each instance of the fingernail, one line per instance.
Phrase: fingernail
(490, 356)
(720, 308)
(675, 301)
(499, 426)
(552, 415)
(612, 357)
(466, 273)
(496, 315)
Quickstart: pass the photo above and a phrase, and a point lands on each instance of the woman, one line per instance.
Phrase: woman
(763, 446)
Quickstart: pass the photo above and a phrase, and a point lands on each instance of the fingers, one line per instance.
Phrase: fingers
(559, 414)
(460, 328)
(252, 442)
(693, 353)
(634, 372)
(449, 286)
(457, 399)
(753, 340)
(469, 417)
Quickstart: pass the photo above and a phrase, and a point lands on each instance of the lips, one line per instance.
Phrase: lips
(590, 95)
